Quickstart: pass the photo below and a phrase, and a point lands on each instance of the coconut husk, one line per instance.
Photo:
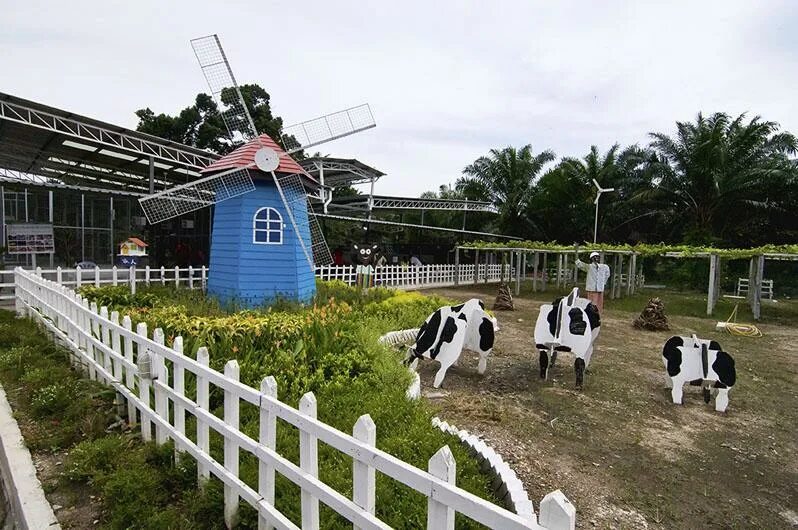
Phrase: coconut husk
(653, 317)
(504, 300)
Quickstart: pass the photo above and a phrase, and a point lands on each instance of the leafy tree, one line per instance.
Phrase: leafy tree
(505, 178)
(563, 205)
(717, 176)
(201, 125)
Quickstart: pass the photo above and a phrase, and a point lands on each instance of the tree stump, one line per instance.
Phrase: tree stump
(653, 316)
(504, 300)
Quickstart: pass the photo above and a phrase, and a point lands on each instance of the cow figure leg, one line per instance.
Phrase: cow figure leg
(579, 368)
(544, 364)
(483, 362)
(677, 391)
(722, 400)
(441, 374)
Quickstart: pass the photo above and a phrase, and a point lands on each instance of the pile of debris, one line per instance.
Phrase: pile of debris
(653, 316)
(504, 300)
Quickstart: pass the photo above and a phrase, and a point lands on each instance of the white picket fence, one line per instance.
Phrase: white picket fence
(397, 276)
(193, 278)
(109, 349)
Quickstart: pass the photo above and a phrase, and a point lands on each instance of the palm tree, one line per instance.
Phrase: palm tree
(719, 174)
(563, 206)
(505, 178)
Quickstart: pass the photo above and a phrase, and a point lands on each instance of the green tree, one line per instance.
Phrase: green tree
(506, 178)
(201, 125)
(562, 205)
(720, 176)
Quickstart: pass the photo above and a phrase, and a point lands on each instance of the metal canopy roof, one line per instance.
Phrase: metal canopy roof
(340, 171)
(361, 202)
(73, 149)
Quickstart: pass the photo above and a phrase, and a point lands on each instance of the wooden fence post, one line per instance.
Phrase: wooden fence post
(203, 402)
(160, 372)
(190, 277)
(267, 437)
(544, 280)
(144, 384)
(517, 273)
(441, 465)
(714, 271)
(105, 334)
(363, 475)
(309, 463)
(179, 385)
(231, 409)
(535, 272)
(59, 276)
(129, 372)
(476, 265)
(163, 275)
(147, 275)
(177, 276)
(116, 346)
(114, 276)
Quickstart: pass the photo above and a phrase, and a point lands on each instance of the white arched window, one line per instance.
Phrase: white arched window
(267, 227)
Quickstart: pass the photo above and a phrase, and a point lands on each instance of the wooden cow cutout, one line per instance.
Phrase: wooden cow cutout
(701, 363)
(569, 324)
(450, 330)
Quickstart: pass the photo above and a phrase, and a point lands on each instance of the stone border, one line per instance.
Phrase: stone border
(506, 485)
(30, 509)
(392, 338)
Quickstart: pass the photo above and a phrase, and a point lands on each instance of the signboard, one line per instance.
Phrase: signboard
(30, 238)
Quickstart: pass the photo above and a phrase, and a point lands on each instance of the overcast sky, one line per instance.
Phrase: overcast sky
(446, 80)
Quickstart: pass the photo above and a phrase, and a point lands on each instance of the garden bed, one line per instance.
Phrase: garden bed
(332, 350)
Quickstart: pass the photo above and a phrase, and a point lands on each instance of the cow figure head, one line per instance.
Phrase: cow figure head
(365, 254)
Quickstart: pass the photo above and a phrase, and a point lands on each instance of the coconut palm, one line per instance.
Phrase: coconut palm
(718, 174)
(505, 178)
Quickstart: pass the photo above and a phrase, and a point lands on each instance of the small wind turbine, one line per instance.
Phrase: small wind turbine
(599, 191)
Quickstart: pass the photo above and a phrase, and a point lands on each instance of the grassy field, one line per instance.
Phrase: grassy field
(620, 450)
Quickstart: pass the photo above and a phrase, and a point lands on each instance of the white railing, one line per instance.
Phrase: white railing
(398, 276)
(423, 276)
(193, 278)
(109, 349)
(742, 288)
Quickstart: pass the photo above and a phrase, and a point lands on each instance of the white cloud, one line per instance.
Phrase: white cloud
(446, 80)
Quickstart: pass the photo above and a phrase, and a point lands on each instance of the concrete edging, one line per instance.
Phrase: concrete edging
(28, 506)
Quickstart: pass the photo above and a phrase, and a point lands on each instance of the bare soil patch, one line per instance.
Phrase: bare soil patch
(620, 450)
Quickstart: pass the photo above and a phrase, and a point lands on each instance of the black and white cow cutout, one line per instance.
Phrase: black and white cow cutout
(450, 330)
(568, 324)
(701, 363)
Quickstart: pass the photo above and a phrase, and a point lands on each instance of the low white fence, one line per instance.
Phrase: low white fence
(401, 277)
(409, 277)
(152, 377)
(194, 278)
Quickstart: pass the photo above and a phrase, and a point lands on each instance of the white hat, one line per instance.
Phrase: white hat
(592, 254)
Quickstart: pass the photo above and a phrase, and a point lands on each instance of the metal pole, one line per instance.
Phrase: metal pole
(49, 217)
(595, 223)
(152, 175)
(322, 192)
(2, 216)
(82, 227)
(456, 266)
(517, 273)
(713, 269)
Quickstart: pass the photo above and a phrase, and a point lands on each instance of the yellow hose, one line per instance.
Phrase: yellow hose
(741, 330)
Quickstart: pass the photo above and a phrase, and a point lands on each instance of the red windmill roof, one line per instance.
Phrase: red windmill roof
(245, 156)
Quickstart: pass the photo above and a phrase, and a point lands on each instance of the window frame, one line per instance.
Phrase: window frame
(269, 219)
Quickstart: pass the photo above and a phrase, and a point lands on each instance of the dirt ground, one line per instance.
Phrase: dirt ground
(620, 450)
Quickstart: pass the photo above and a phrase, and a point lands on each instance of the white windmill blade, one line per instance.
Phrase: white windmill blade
(196, 195)
(216, 69)
(219, 75)
(327, 128)
(596, 184)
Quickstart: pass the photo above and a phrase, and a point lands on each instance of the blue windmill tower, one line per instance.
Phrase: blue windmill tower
(265, 240)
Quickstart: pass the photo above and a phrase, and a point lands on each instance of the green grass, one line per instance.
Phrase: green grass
(61, 412)
(331, 349)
